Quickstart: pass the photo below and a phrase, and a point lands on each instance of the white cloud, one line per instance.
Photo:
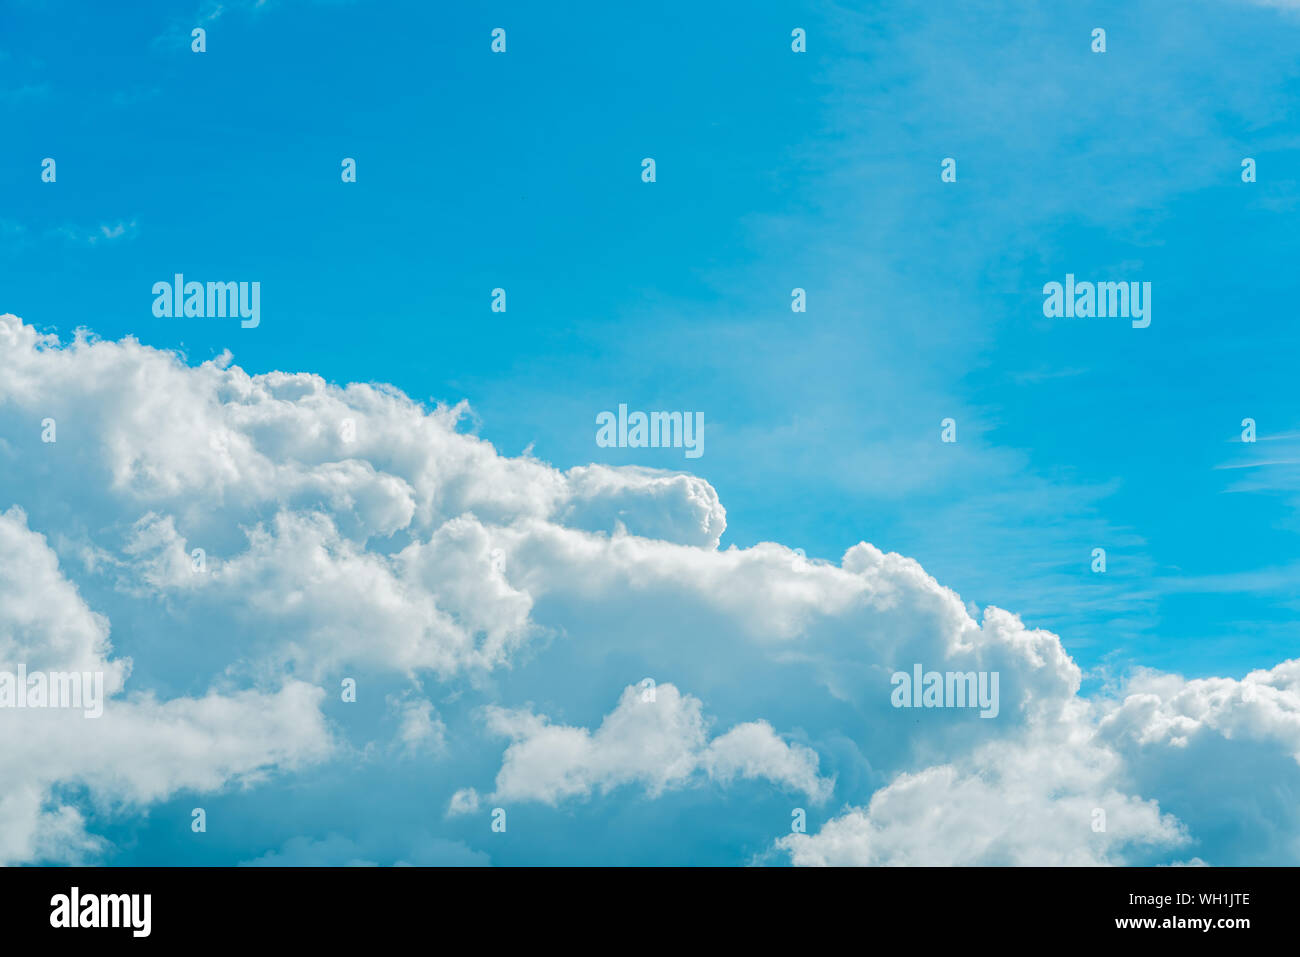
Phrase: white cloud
(676, 507)
(299, 492)
(1034, 799)
(1023, 803)
(659, 741)
(420, 729)
(351, 527)
(464, 801)
(141, 749)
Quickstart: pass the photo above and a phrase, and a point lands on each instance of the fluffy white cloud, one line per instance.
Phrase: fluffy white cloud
(1205, 745)
(353, 528)
(301, 496)
(673, 506)
(1039, 802)
(140, 749)
(655, 737)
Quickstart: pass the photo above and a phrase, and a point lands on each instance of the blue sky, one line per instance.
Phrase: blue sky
(775, 170)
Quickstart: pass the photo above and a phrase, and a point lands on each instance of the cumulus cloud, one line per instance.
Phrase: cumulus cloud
(656, 738)
(1066, 791)
(350, 527)
(140, 749)
(301, 495)
(676, 507)
(1027, 803)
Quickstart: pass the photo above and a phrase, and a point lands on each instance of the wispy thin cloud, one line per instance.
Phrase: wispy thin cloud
(91, 236)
